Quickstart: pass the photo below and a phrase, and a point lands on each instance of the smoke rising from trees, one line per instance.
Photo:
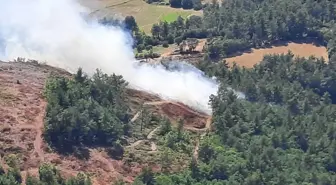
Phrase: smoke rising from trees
(56, 32)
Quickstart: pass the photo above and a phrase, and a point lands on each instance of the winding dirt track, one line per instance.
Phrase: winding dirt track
(182, 107)
(207, 129)
(149, 136)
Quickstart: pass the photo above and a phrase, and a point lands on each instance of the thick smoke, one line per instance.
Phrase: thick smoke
(55, 31)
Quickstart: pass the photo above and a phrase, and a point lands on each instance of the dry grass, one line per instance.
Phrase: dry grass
(145, 14)
(165, 51)
(298, 49)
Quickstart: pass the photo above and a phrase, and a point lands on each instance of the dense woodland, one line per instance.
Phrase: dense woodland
(284, 132)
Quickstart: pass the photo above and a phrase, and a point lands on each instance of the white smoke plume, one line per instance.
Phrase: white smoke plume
(55, 31)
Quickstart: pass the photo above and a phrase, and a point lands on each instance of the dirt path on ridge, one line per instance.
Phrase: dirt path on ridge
(38, 142)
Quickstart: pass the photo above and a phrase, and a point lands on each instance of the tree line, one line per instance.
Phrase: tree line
(185, 4)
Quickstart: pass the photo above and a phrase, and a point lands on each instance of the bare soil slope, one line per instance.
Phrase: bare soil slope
(22, 110)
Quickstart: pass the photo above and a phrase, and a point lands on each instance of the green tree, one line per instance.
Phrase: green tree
(131, 24)
(175, 3)
(156, 29)
(197, 5)
(30, 180)
(165, 126)
(147, 176)
(187, 4)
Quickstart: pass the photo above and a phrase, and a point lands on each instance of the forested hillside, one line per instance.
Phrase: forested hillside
(284, 132)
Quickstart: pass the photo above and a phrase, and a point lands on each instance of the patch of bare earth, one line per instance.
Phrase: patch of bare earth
(249, 59)
(193, 119)
(22, 110)
(174, 54)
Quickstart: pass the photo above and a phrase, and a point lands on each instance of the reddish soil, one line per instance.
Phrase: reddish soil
(175, 111)
(22, 110)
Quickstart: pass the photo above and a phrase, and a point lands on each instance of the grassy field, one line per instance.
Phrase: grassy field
(298, 49)
(170, 17)
(145, 14)
(164, 51)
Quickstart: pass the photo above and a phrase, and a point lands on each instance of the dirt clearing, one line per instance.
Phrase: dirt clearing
(298, 49)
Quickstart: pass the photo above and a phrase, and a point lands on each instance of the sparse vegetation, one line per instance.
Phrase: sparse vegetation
(48, 175)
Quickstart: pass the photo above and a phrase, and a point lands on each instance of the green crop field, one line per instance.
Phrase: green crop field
(170, 17)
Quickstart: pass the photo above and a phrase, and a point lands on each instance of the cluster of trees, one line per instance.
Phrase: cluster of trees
(186, 4)
(175, 139)
(162, 33)
(179, 30)
(160, 2)
(85, 111)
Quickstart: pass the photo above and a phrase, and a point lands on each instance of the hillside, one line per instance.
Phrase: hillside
(271, 117)
(22, 113)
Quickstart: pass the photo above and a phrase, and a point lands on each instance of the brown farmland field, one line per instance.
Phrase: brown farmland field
(145, 14)
(298, 49)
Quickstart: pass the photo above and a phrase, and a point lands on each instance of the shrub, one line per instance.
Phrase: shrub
(140, 47)
(149, 47)
(116, 151)
(165, 44)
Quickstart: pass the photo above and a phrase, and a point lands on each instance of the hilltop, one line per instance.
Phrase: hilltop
(22, 112)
